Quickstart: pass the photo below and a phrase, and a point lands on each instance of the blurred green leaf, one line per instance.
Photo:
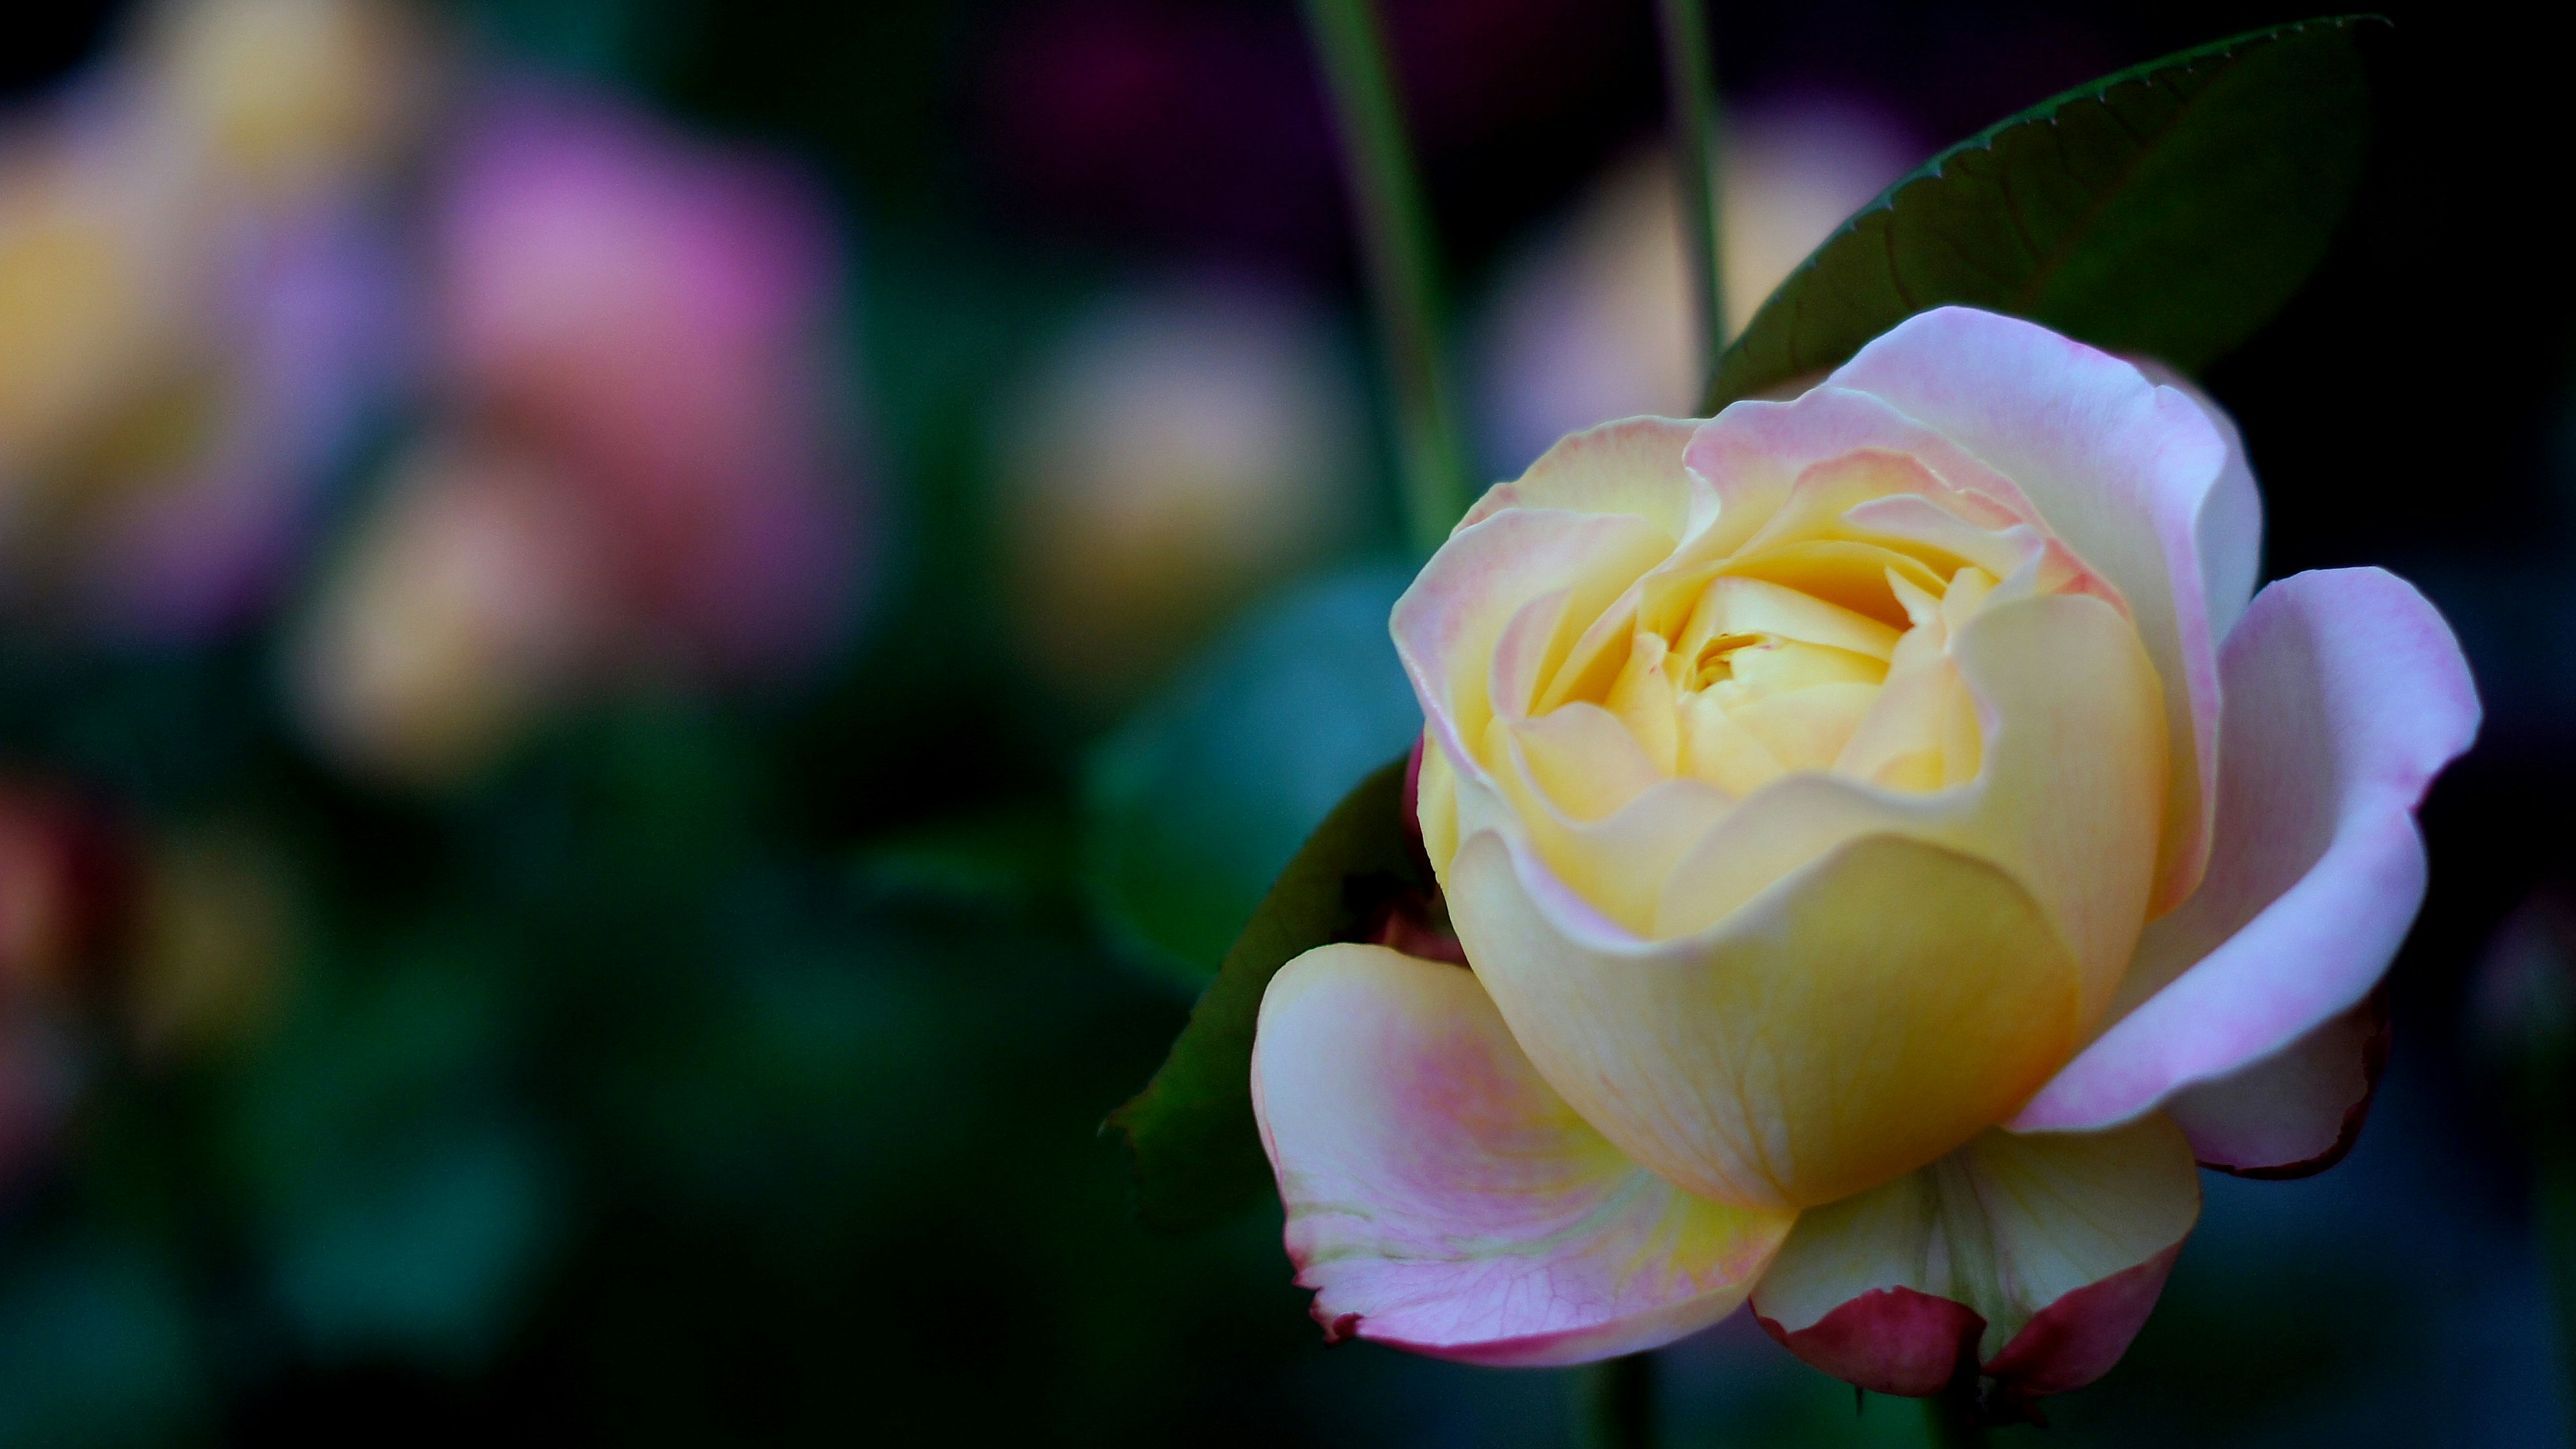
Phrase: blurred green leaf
(96, 1348)
(2166, 210)
(1014, 858)
(1197, 1152)
(403, 1204)
(430, 1256)
(1196, 804)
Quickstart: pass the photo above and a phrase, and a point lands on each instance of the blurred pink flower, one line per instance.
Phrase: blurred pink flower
(653, 313)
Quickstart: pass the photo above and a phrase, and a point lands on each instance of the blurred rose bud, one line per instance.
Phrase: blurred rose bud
(1175, 452)
(476, 599)
(654, 315)
(64, 883)
(1594, 322)
(281, 97)
(216, 930)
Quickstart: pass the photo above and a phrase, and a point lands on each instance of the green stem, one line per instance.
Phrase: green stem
(1617, 1404)
(1690, 93)
(1401, 256)
(1954, 1417)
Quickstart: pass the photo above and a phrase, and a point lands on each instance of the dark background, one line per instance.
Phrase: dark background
(788, 1020)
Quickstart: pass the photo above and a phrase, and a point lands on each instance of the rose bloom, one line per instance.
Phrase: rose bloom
(1893, 843)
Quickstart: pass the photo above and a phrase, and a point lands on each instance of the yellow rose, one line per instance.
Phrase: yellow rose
(1871, 907)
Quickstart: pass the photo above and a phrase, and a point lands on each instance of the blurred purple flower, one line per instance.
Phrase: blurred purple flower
(310, 337)
(197, 313)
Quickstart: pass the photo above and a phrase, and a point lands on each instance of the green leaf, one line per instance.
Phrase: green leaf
(1197, 1153)
(1193, 806)
(2167, 210)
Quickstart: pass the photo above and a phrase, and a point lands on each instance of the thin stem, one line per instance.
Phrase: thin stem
(1617, 1405)
(1402, 258)
(1690, 94)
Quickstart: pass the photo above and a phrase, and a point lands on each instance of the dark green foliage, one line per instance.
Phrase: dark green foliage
(1194, 804)
(2167, 211)
(1198, 1157)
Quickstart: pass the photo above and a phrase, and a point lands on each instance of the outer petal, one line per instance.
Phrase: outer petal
(1860, 1018)
(1442, 1199)
(2039, 1255)
(2231, 517)
(1633, 466)
(2132, 475)
(2346, 695)
(2297, 1111)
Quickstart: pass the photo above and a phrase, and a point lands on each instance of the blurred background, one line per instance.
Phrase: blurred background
(646, 650)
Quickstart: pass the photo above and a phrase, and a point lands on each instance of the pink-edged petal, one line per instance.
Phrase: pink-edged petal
(2077, 1339)
(1755, 455)
(1449, 624)
(2231, 517)
(2297, 1111)
(1633, 466)
(1887, 1340)
(2346, 695)
(2036, 1257)
(1442, 1199)
(2132, 475)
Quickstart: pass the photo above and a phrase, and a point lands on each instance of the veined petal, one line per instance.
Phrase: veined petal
(2346, 695)
(1862, 1017)
(1442, 1199)
(2297, 1111)
(2132, 475)
(2039, 1255)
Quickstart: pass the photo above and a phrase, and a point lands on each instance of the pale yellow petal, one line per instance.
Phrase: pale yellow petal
(2067, 800)
(1875, 1011)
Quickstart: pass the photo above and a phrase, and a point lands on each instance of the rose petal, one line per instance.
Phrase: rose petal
(1441, 1198)
(2133, 476)
(1633, 466)
(1866, 1015)
(2346, 695)
(2065, 800)
(2041, 1255)
(2297, 1111)
(1449, 623)
(2231, 518)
